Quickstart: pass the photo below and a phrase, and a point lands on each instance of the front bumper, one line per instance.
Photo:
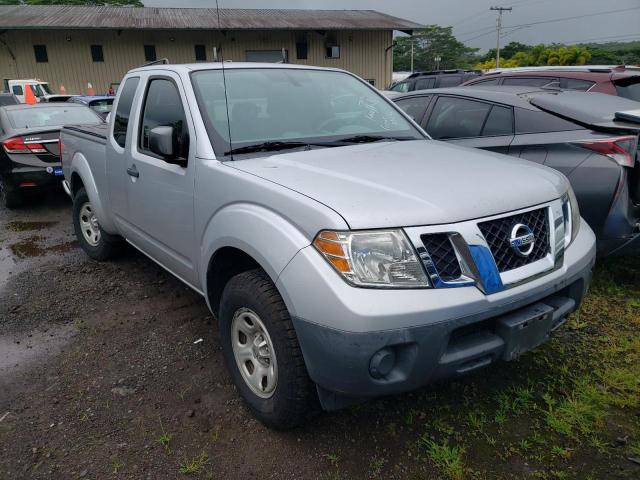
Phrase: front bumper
(345, 333)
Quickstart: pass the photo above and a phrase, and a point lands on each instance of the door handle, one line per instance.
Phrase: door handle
(132, 171)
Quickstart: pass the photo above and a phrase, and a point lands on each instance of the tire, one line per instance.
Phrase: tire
(294, 398)
(9, 197)
(96, 243)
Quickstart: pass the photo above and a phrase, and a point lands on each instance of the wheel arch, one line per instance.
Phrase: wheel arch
(253, 237)
(82, 176)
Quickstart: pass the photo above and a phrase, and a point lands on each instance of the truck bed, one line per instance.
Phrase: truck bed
(96, 132)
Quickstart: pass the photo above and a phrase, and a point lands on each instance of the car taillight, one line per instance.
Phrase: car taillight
(621, 149)
(17, 145)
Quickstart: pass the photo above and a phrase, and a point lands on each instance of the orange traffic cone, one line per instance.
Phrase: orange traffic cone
(90, 91)
(62, 89)
(29, 96)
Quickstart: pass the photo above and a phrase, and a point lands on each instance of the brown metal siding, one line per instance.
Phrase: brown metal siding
(74, 17)
(363, 52)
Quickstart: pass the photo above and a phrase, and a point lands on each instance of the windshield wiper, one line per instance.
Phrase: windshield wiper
(266, 147)
(371, 138)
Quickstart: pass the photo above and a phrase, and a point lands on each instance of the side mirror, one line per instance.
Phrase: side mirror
(161, 142)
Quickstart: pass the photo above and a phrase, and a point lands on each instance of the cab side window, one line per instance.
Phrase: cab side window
(163, 107)
(17, 90)
(123, 111)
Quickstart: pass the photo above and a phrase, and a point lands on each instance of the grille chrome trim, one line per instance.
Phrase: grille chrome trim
(477, 264)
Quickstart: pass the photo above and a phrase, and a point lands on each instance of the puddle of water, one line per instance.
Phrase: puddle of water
(33, 346)
(28, 226)
(28, 248)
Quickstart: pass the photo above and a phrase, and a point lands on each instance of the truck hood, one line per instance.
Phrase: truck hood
(409, 183)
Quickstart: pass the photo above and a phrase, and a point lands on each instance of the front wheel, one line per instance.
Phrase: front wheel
(96, 243)
(262, 353)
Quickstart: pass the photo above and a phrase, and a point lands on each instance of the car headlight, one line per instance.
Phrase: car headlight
(376, 258)
(571, 213)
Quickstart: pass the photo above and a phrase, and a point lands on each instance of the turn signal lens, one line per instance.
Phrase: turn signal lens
(378, 258)
(571, 213)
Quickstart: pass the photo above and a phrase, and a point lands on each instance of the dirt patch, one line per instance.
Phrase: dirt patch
(131, 395)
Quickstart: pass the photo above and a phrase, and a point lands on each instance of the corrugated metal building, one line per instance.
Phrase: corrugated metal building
(71, 46)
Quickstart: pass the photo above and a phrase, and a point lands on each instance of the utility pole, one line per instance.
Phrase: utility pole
(412, 42)
(499, 29)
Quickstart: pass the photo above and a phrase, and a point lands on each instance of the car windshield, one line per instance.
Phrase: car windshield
(32, 117)
(280, 105)
(45, 87)
(102, 106)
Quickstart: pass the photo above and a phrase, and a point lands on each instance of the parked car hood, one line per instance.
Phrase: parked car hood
(409, 183)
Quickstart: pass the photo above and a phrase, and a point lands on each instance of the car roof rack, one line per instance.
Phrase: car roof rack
(162, 61)
(561, 68)
(442, 72)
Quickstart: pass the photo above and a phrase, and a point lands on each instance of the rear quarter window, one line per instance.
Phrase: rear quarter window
(536, 121)
(529, 81)
(629, 88)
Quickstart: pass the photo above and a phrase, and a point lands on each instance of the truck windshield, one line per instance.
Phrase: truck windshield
(278, 106)
(33, 116)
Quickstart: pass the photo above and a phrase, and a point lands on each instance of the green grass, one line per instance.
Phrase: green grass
(447, 458)
(194, 466)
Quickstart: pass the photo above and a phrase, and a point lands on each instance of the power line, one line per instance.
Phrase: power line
(558, 19)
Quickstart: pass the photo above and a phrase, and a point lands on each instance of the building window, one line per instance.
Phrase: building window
(333, 51)
(201, 53)
(301, 50)
(97, 55)
(150, 53)
(371, 81)
(41, 53)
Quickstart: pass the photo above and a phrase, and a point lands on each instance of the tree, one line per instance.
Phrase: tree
(429, 43)
(89, 3)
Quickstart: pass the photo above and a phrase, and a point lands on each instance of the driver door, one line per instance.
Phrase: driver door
(160, 191)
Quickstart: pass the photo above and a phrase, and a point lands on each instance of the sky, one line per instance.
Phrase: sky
(472, 20)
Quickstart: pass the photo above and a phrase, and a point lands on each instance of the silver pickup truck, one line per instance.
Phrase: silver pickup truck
(344, 253)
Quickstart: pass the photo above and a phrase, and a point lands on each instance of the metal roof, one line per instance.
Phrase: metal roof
(151, 18)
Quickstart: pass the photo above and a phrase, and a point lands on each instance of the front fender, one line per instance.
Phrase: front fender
(80, 166)
(270, 239)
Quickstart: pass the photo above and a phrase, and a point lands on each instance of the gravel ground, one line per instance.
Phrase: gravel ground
(102, 375)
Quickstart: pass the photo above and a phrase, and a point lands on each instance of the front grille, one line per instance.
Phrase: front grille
(498, 232)
(443, 256)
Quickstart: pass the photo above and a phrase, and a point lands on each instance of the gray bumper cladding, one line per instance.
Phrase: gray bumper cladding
(349, 367)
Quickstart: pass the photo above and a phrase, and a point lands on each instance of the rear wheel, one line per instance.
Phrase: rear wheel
(96, 243)
(262, 353)
(9, 197)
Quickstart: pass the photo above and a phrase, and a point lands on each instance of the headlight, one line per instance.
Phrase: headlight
(378, 258)
(571, 214)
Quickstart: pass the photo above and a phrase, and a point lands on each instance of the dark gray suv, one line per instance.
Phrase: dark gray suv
(435, 79)
(573, 132)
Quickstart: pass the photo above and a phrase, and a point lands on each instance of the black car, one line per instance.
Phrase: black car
(435, 79)
(574, 132)
(29, 157)
(8, 99)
